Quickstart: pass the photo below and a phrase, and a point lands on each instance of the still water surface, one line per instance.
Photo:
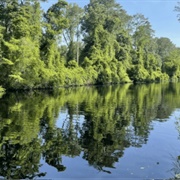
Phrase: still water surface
(127, 131)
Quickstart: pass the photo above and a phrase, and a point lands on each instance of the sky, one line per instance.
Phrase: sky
(160, 13)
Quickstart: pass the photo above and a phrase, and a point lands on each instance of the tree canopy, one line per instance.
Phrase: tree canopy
(70, 45)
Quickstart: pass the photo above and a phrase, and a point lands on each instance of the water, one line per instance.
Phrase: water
(106, 132)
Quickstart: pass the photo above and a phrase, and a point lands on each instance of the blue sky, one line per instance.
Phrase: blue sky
(160, 13)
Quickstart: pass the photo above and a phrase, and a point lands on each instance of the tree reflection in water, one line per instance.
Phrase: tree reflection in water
(115, 118)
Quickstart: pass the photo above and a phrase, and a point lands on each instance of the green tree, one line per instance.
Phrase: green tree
(146, 63)
(102, 25)
(20, 45)
(164, 48)
(54, 23)
(72, 34)
(172, 64)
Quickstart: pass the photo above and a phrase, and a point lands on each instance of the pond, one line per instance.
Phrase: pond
(103, 132)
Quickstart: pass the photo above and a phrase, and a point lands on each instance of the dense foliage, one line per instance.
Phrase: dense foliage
(68, 45)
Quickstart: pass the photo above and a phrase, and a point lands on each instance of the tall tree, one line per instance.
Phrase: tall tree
(172, 64)
(144, 59)
(101, 25)
(71, 34)
(164, 48)
(21, 65)
(54, 23)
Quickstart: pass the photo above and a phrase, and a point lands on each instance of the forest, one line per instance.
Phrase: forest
(68, 45)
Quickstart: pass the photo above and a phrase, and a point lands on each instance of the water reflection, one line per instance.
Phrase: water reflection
(114, 119)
